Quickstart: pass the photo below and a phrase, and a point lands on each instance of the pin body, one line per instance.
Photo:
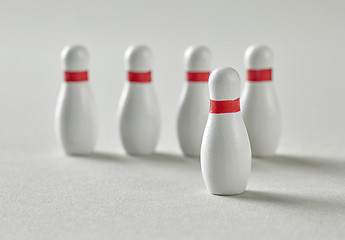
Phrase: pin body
(225, 150)
(260, 106)
(139, 115)
(194, 100)
(75, 116)
(139, 119)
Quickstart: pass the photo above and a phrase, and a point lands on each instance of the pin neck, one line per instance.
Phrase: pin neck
(198, 76)
(259, 75)
(225, 106)
(139, 77)
(76, 76)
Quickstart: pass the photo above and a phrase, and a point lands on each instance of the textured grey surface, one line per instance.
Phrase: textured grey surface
(163, 196)
(299, 194)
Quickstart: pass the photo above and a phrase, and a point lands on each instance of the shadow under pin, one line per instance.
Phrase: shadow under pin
(104, 156)
(170, 158)
(156, 158)
(293, 201)
(307, 163)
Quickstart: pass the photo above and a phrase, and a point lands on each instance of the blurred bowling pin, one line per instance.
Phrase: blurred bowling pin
(260, 105)
(225, 149)
(194, 101)
(75, 117)
(138, 107)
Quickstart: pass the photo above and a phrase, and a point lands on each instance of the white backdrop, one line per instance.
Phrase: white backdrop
(307, 38)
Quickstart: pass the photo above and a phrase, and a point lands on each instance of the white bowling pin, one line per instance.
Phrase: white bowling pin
(194, 100)
(260, 105)
(75, 117)
(225, 149)
(138, 108)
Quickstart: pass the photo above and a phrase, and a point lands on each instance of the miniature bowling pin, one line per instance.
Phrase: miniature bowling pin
(139, 115)
(225, 149)
(194, 100)
(75, 117)
(260, 105)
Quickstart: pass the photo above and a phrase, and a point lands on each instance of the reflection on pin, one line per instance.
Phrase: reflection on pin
(225, 150)
(75, 117)
(138, 108)
(260, 105)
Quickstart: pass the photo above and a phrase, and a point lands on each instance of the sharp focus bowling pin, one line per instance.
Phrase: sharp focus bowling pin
(261, 111)
(194, 103)
(138, 107)
(75, 118)
(225, 149)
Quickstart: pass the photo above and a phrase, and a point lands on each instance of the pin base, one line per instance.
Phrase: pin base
(191, 156)
(78, 154)
(140, 154)
(262, 156)
(227, 194)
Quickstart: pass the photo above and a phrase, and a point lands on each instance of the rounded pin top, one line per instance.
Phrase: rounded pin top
(258, 56)
(138, 58)
(224, 84)
(75, 58)
(197, 59)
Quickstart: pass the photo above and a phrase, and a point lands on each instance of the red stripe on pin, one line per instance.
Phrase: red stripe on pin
(139, 77)
(76, 76)
(259, 75)
(226, 106)
(198, 76)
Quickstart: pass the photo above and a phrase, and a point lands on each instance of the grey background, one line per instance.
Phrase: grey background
(298, 194)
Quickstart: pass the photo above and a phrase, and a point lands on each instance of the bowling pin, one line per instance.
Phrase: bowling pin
(261, 111)
(194, 100)
(225, 149)
(139, 115)
(75, 116)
